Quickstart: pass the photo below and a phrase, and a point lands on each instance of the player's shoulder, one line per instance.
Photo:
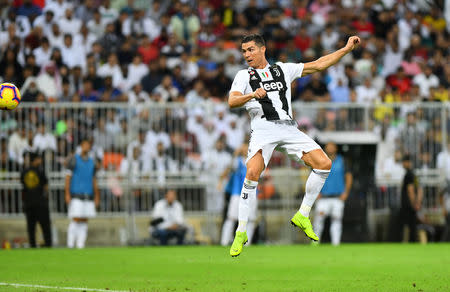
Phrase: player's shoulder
(242, 72)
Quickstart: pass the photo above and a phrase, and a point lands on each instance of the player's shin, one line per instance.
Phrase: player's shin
(247, 200)
(314, 184)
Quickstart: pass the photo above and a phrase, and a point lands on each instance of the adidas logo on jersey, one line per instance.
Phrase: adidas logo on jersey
(254, 78)
(271, 86)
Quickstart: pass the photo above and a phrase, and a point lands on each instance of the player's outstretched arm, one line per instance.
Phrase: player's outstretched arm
(330, 59)
(237, 99)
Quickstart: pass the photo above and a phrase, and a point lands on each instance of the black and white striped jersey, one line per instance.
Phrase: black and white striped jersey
(276, 81)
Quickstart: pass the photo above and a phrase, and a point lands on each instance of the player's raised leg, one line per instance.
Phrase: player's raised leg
(321, 166)
(255, 166)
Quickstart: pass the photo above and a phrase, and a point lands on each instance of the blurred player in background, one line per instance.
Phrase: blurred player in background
(265, 90)
(411, 202)
(237, 177)
(35, 199)
(82, 195)
(334, 193)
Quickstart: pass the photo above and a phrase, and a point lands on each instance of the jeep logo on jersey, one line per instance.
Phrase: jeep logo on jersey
(271, 85)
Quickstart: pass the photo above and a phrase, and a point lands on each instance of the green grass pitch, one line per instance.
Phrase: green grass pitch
(350, 267)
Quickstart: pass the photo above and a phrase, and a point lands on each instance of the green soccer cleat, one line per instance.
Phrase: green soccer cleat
(304, 224)
(239, 240)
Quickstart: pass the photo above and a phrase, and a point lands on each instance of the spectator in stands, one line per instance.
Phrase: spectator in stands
(411, 202)
(234, 134)
(366, 93)
(425, 81)
(410, 135)
(43, 140)
(88, 93)
(162, 164)
(215, 161)
(68, 23)
(112, 68)
(185, 26)
(35, 200)
(49, 81)
(101, 137)
(136, 71)
(58, 7)
(18, 144)
(108, 92)
(168, 219)
(81, 194)
(166, 89)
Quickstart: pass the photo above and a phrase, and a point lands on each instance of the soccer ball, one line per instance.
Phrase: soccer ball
(9, 96)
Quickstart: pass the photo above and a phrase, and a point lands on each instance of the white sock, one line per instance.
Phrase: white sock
(71, 234)
(247, 199)
(82, 234)
(314, 184)
(227, 231)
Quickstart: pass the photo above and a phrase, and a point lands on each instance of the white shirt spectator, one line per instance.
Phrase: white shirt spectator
(42, 142)
(84, 42)
(42, 56)
(108, 14)
(142, 26)
(206, 137)
(56, 40)
(41, 21)
(134, 168)
(58, 7)
(152, 139)
(365, 94)
(135, 74)
(166, 93)
(138, 97)
(96, 28)
(328, 40)
(17, 146)
(146, 151)
(71, 26)
(73, 56)
(405, 30)
(425, 83)
(391, 61)
(443, 163)
(393, 170)
(171, 214)
(114, 71)
(235, 135)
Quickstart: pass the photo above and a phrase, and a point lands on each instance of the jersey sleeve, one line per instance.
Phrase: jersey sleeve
(293, 70)
(240, 82)
(71, 165)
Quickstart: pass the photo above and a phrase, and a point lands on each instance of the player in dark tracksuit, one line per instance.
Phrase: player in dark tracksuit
(35, 199)
(411, 202)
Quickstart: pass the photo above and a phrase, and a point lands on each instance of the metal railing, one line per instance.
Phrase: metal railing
(186, 135)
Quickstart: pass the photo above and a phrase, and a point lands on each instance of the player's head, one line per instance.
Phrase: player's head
(253, 49)
(85, 145)
(171, 196)
(331, 149)
(406, 161)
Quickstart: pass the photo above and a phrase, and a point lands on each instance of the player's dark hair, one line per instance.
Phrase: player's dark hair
(257, 38)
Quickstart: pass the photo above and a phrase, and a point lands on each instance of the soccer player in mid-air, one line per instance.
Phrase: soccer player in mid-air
(265, 90)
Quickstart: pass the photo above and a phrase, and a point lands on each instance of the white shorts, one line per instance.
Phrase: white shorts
(233, 209)
(81, 209)
(333, 207)
(267, 136)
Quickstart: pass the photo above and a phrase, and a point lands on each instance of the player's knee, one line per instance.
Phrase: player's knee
(324, 163)
(253, 174)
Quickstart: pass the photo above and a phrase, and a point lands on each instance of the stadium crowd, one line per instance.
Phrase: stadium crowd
(152, 53)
